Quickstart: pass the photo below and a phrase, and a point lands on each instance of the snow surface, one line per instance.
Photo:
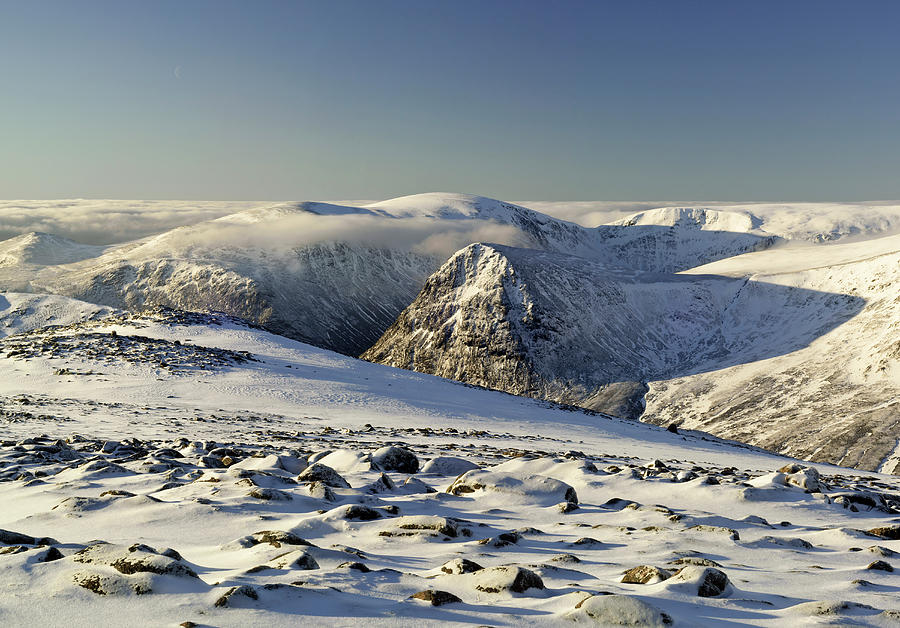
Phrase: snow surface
(643, 495)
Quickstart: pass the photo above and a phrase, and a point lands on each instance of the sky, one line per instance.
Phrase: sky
(264, 100)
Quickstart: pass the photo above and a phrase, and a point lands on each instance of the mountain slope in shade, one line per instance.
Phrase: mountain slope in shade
(711, 347)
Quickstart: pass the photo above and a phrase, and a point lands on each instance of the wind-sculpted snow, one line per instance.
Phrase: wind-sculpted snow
(306, 487)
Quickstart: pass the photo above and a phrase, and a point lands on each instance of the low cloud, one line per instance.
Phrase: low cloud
(108, 221)
(427, 236)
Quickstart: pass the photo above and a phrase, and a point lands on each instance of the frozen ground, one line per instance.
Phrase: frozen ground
(173, 468)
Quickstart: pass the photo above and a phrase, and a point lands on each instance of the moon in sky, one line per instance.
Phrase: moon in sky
(178, 71)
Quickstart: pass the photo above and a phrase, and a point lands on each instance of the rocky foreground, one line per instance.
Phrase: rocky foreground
(334, 528)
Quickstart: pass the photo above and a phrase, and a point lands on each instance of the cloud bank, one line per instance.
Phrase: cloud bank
(427, 236)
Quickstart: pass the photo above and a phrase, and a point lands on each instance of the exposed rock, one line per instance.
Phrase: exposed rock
(426, 524)
(235, 594)
(824, 608)
(297, 559)
(7, 537)
(436, 598)
(103, 583)
(271, 494)
(880, 565)
(645, 574)
(355, 566)
(886, 532)
(134, 559)
(382, 485)
(506, 578)
(460, 566)
(318, 472)
(361, 513)
(396, 459)
(702, 581)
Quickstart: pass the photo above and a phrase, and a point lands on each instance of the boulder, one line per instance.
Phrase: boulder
(506, 579)
(397, 459)
(620, 610)
(701, 581)
(297, 559)
(533, 488)
(435, 598)
(460, 566)
(645, 574)
(318, 472)
(448, 466)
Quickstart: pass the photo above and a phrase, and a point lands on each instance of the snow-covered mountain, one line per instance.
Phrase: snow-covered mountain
(195, 470)
(759, 358)
(337, 275)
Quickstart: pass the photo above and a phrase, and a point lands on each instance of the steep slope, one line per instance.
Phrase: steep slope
(672, 239)
(837, 399)
(803, 362)
(562, 328)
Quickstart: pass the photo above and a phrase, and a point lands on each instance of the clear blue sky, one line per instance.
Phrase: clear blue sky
(729, 100)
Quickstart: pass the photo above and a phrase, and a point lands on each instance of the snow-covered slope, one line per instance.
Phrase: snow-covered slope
(719, 352)
(24, 312)
(836, 399)
(44, 249)
(195, 469)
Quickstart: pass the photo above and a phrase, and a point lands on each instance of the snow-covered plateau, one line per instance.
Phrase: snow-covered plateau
(194, 442)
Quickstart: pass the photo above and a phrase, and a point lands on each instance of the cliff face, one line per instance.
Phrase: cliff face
(552, 326)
